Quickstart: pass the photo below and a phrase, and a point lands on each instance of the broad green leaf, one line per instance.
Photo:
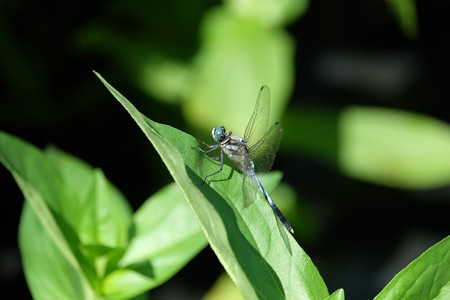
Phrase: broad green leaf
(106, 217)
(268, 12)
(165, 233)
(236, 58)
(337, 295)
(76, 173)
(49, 274)
(68, 249)
(242, 47)
(379, 145)
(100, 214)
(444, 293)
(260, 256)
(166, 237)
(427, 277)
(49, 248)
(394, 148)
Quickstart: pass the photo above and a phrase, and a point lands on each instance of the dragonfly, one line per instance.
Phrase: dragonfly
(253, 153)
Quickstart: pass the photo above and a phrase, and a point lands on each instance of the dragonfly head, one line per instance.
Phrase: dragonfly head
(218, 133)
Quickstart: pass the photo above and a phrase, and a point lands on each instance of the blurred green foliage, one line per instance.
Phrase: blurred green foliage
(78, 237)
(385, 146)
(406, 14)
(394, 148)
(203, 61)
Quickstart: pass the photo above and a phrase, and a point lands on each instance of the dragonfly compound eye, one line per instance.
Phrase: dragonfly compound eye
(218, 133)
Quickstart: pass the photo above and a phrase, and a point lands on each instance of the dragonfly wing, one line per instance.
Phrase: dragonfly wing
(250, 191)
(257, 125)
(264, 151)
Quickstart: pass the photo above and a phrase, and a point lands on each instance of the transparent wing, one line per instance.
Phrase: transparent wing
(257, 125)
(264, 151)
(250, 191)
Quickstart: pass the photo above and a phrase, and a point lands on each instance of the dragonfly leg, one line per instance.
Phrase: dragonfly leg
(220, 168)
(205, 144)
(210, 149)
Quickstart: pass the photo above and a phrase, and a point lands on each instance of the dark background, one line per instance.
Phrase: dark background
(364, 234)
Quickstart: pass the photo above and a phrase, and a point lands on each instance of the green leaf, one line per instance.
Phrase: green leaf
(76, 173)
(237, 57)
(100, 214)
(52, 260)
(68, 247)
(268, 12)
(337, 295)
(427, 277)
(166, 237)
(380, 145)
(262, 259)
(394, 148)
(444, 293)
(49, 274)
